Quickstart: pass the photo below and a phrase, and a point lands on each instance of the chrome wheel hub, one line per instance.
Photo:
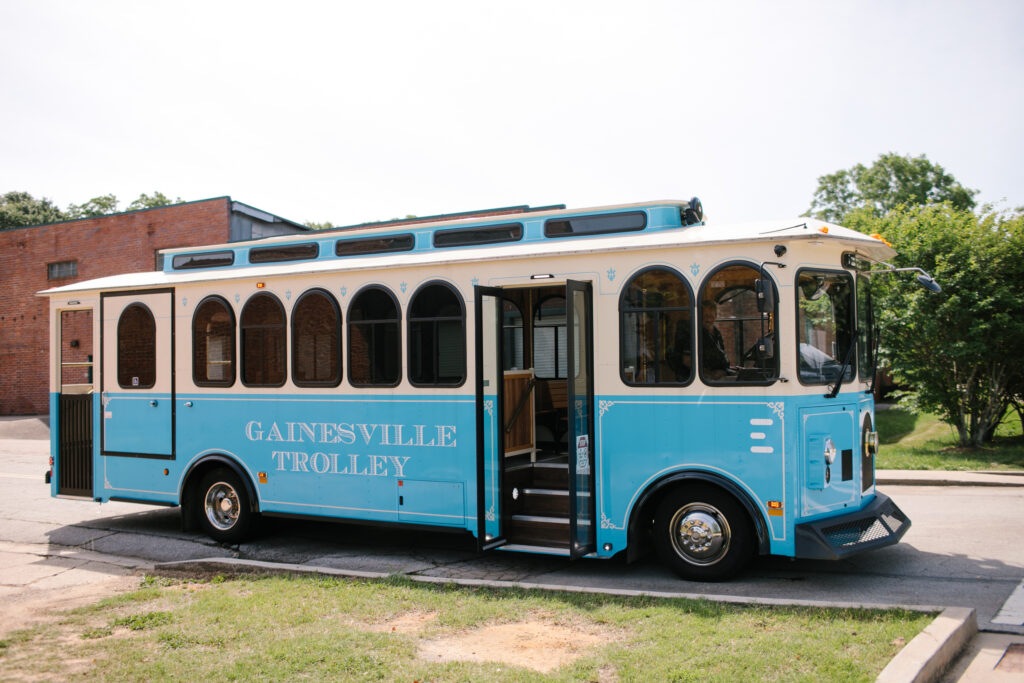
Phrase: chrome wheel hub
(700, 533)
(221, 506)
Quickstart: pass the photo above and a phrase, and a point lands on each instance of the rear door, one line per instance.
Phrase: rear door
(137, 375)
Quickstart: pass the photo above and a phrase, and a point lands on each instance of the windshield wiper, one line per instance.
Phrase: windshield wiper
(846, 365)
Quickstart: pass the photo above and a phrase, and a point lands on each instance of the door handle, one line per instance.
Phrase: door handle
(153, 403)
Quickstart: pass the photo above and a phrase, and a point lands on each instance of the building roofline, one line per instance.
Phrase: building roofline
(119, 213)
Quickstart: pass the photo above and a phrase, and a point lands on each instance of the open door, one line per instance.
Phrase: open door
(489, 423)
(580, 366)
(137, 373)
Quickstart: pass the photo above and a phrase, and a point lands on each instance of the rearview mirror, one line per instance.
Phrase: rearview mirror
(929, 283)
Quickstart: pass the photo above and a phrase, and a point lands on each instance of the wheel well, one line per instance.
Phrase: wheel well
(195, 474)
(642, 517)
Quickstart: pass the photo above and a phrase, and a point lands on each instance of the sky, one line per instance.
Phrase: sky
(359, 111)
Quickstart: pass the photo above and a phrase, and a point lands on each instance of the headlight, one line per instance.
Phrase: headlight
(830, 451)
(871, 442)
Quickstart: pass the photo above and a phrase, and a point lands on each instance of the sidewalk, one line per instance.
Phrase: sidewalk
(948, 478)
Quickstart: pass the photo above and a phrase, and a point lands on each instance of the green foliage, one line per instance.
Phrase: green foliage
(21, 208)
(157, 199)
(141, 622)
(920, 441)
(892, 181)
(97, 206)
(958, 351)
(326, 225)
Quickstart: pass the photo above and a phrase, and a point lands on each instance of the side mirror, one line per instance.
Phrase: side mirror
(765, 295)
(929, 283)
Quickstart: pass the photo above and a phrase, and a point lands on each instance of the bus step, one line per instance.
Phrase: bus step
(550, 475)
(539, 530)
(544, 502)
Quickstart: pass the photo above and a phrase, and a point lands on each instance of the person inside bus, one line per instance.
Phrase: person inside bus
(714, 360)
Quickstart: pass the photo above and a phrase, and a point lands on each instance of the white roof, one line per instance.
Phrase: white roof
(705, 234)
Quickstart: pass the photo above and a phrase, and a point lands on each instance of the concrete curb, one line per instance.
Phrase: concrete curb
(240, 566)
(929, 655)
(922, 660)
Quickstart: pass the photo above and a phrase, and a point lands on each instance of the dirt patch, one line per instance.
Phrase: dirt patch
(26, 607)
(411, 622)
(538, 645)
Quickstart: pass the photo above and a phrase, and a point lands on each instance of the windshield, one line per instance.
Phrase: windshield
(825, 325)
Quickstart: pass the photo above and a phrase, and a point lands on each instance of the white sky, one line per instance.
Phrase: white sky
(367, 110)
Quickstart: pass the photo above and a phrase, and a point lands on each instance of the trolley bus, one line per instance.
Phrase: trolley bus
(580, 383)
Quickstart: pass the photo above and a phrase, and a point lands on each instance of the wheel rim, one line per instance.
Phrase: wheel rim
(700, 533)
(221, 505)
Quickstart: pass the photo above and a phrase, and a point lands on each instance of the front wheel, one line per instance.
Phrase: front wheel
(702, 533)
(224, 508)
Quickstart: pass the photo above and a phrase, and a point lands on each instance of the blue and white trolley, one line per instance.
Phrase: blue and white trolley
(570, 382)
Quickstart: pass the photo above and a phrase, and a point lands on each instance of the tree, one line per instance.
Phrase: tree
(97, 206)
(959, 350)
(892, 181)
(158, 199)
(313, 225)
(21, 208)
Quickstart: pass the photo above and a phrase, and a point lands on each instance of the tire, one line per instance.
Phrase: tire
(224, 509)
(702, 533)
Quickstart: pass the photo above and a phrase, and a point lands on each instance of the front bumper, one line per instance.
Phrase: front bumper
(879, 524)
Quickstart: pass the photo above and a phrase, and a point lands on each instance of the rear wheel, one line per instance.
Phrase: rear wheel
(224, 506)
(702, 533)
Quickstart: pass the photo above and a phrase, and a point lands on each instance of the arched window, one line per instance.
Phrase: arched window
(737, 340)
(437, 337)
(316, 340)
(656, 318)
(263, 342)
(213, 343)
(549, 338)
(373, 339)
(136, 348)
(512, 329)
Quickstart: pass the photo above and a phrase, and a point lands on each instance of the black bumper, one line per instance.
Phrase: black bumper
(880, 524)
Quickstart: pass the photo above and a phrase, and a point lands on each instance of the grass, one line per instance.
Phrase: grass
(283, 628)
(910, 441)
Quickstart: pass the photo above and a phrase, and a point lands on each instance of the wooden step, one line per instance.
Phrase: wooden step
(550, 475)
(544, 502)
(539, 530)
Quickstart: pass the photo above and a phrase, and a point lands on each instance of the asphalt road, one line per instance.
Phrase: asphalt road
(965, 548)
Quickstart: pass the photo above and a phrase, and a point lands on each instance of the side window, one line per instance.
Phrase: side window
(263, 342)
(316, 340)
(549, 338)
(825, 326)
(213, 344)
(437, 337)
(737, 341)
(512, 330)
(655, 315)
(866, 333)
(136, 348)
(373, 339)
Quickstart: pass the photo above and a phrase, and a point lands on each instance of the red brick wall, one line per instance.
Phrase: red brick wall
(108, 245)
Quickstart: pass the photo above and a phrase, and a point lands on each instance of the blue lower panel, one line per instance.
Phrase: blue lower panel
(343, 457)
(138, 423)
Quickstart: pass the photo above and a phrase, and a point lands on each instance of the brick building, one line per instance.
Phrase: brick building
(39, 257)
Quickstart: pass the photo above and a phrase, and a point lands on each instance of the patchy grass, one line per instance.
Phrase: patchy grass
(313, 627)
(911, 441)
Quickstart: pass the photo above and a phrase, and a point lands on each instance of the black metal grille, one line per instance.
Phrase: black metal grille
(74, 455)
(853, 533)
